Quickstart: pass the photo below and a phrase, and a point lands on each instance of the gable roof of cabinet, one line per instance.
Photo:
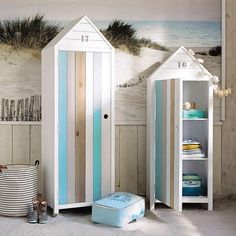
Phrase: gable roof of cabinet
(73, 32)
(174, 67)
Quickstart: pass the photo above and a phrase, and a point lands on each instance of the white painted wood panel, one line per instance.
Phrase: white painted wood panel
(84, 27)
(106, 124)
(5, 144)
(91, 36)
(175, 65)
(21, 144)
(89, 128)
(35, 151)
(49, 69)
(68, 43)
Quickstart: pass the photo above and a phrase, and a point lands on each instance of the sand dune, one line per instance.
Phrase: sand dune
(21, 73)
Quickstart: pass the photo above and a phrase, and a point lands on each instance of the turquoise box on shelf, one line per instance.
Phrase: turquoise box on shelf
(194, 114)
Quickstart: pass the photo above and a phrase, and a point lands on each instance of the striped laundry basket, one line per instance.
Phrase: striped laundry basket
(18, 187)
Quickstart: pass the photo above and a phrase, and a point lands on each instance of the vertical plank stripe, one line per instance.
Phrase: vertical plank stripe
(172, 141)
(71, 128)
(168, 120)
(97, 127)
(89, 127)
(62, 127)
(158, 162)
(165, 145)
(80, 164)
(106, 124)
(6, 144)
(21, 144)
(117, 159)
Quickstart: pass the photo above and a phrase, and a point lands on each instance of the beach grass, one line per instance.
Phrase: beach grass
(36, 32)
(31, 32)
(214, 51)
(123, 35)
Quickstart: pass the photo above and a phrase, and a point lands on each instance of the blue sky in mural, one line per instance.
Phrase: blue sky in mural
(194, 23)
(177, 33)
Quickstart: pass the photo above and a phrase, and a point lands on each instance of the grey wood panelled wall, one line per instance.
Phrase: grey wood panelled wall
(21, 144)
(229, 125)
(131, 159)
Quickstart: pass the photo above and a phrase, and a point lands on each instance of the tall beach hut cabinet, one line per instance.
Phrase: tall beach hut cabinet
(77, 117)
(179, 79)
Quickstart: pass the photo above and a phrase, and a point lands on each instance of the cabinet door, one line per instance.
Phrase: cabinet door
(167, 143)
(84, 113)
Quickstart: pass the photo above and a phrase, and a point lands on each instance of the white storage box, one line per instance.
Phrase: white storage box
(118, 209)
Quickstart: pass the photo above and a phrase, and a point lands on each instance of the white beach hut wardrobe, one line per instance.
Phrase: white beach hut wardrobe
(77, 117)
(180, 78)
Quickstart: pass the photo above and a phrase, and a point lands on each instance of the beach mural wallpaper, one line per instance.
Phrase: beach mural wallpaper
(144, 34)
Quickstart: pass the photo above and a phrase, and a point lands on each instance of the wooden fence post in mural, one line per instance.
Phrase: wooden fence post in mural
(27, 109)
(12, 110)
(7, 109)
(2, 109)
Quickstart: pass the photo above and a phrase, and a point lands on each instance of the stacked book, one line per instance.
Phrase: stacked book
(192, 148)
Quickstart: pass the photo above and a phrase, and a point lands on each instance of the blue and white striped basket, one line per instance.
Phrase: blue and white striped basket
(18, 187)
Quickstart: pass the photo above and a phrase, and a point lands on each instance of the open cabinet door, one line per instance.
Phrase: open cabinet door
(167, 141)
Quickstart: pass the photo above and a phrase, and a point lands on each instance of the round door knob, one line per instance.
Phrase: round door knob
(105, 116)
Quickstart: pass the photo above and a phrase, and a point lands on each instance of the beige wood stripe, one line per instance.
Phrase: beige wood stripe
(141, 160)
(117, 158)
(217, 166)
(71, 128)
(172, 141)
(128, 158)
(35, 152)
(80, 161)
(21, 144)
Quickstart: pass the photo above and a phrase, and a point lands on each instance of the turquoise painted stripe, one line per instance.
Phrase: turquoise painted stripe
(62, 127)
(97, 128)
(159, 131)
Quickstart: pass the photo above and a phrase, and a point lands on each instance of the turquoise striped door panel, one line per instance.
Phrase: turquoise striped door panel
(165, 141)
(97, 127)
(71, 180)
(62, 117)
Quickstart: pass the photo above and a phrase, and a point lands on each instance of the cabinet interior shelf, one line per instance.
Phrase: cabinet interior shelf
(194, 158)
(195, 119)
(194, 199)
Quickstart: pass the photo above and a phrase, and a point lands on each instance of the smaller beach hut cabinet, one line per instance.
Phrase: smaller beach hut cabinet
(77, 117)
(179, 79)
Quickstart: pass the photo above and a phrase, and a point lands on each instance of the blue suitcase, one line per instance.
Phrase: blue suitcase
(118, 209)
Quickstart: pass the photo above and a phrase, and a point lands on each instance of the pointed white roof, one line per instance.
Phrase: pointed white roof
(181, 64)
(73, 31)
